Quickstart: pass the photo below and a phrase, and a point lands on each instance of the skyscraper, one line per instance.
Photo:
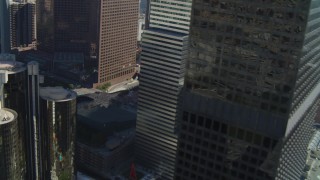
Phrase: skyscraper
(22, 25)
(21, 93)
(251, 87)
(117, 40)
(45, 25)
(4, 27)
(12, 159)
(33, 146)
(72, 25)
(9, 145)
(103, 30)
(58, 129)
(164, 50)
(14, 98)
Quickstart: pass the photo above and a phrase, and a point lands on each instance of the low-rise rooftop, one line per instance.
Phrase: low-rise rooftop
(57, 94)
(100, 117)
(7, 115)
(12, 67)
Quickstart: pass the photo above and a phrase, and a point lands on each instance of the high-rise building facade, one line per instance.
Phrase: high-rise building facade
(4, 27)
(21, 93)
(14, 98)
(58, 130)
(164, 50)
(33, 133)
(75, 25)
(250, 90)
(103, 30)
(34, 146)
(9, 145)
(12, 156)
(22, 25)
(45, 25)
(117, 40)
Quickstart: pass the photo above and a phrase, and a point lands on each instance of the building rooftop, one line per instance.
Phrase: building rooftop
(113, 143)
(57, 94)
(101, 117)
(12, 66)
(7, 115)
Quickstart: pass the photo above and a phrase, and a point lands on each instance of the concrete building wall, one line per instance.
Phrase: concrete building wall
(294, 150)
(170, 15)
(162, 72)
(163, 56)
(117, 42)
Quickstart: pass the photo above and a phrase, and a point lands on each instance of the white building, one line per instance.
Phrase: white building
(141, 23)
(164, 52)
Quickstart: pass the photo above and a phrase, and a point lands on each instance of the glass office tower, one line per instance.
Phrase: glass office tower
(33, 133)
(22, 24)
(10, 155)
(164, 50)
(251, 89)
(14, 98)
(45, 25)
(4, 27)
(58, 129)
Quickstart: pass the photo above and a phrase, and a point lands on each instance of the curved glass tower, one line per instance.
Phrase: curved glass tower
(9, 145)
(58, 128)
(14, 98)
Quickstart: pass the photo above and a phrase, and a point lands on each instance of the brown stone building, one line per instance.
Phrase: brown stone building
(104, 31)
(118, 40)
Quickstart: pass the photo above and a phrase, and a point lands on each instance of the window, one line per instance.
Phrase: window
(216, 126)
(208, 123)
(200, 120)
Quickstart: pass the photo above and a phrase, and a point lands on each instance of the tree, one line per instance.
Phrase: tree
(104, 87)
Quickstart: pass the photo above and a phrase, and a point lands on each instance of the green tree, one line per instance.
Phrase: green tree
(64, 176)
(104, 87)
